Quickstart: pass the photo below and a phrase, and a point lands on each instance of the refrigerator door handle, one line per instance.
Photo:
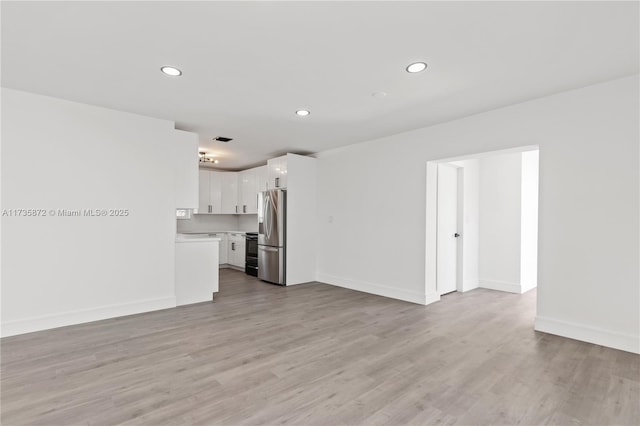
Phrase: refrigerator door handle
(267, 216)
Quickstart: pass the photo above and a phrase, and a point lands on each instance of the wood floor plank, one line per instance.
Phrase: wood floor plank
(315, 354)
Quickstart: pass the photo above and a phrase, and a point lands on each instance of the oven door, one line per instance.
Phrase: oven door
(252, 247)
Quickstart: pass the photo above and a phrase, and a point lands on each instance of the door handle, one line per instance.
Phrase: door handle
(456, 235)
(267, 217)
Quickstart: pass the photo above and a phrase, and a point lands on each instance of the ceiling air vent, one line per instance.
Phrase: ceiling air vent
(223, 139)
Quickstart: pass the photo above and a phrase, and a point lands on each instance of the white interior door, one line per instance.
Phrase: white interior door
(447, 247)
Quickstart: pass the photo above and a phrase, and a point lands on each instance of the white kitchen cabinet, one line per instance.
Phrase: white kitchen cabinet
(218, 192)
(277, 173)
(229, 194)
(196, 272)
(204, 192)
(247, 192)
(222, 254)
(236, 250)
(232, 192)
(250, 182)
(262, 179)
(209, 192)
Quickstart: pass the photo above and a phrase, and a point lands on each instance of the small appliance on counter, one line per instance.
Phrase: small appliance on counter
(272, 219)
(251, 254)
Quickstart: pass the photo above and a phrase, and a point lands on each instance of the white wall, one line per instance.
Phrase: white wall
(64, 155)
(500, 210)
(248, 222)
(185, 162)
(301, 208)
(588, 274)
(529, 221)
(219, 222)
(208, 223)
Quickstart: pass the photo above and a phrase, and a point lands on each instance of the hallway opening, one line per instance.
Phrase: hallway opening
(482, 222)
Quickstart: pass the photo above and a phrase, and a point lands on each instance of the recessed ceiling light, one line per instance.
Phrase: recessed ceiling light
(416, 67)
(379, 95)
(302, 112)
(173, 72)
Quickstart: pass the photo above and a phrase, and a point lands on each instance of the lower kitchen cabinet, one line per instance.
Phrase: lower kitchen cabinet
(196, 274)
(236, 250)
(222, 256)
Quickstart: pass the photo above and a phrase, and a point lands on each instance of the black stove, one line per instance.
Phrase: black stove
(251, 254)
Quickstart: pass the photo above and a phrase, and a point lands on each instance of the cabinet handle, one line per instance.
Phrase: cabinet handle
(277, 182)
(233, 246)
(236, 209)
(210, 208)
(244, 208)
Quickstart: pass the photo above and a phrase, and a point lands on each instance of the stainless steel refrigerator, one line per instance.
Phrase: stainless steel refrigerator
(272, 234)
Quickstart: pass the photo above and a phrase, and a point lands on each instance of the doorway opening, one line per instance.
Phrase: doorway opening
(482, 222)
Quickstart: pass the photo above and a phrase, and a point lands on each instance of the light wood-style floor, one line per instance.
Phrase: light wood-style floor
(318, 355)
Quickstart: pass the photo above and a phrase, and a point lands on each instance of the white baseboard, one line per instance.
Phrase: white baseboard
(527, 286)
(379, 290)
(289, 284)
(429, 298)
(585, 333)
(501, 286)
(469, 285)
(28, 325)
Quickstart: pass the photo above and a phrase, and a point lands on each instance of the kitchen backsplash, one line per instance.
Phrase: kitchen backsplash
(248, 222)
(219, 222)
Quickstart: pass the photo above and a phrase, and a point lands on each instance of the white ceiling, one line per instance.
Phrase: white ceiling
(249, 66)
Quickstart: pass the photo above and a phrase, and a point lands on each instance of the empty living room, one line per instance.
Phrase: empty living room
(320, 213)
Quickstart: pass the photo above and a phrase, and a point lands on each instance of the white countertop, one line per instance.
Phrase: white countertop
(195, 238)
(211, 232)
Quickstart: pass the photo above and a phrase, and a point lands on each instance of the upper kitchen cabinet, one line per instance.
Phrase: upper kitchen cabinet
(248, 192)
(209, 192)
(229, 193)
(277, 173)
(204, 192)
(237, 192)
(262, 178)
